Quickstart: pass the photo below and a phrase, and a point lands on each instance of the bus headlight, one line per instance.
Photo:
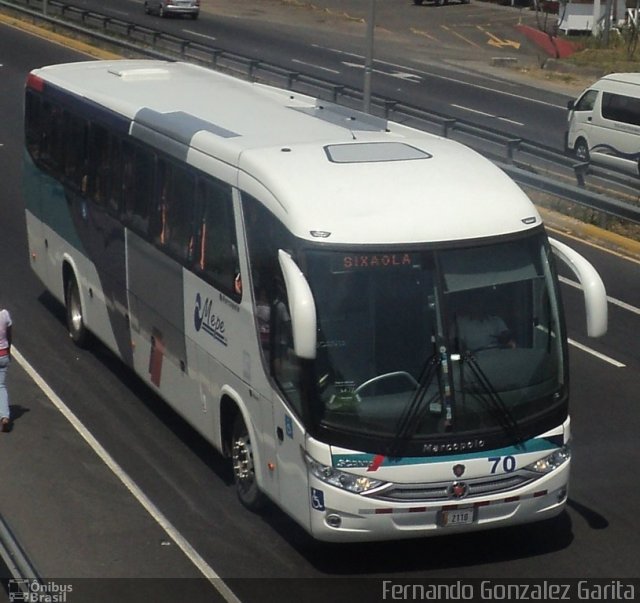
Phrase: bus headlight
(552, 461)
(341, 479)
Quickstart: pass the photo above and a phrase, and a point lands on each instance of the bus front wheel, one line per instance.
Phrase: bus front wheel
(244, 475)
(75, 318)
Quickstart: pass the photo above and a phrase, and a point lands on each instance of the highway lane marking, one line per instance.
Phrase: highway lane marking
(491, 115)
(612, 300)
(455, 33)
(593, 352)
(451, 79)
(206, 570)
(120, 12)
(409, 77)
(201, 35)
(299, 62)
(472, 110)
(592, 244)
(511, 121)
(420, 32)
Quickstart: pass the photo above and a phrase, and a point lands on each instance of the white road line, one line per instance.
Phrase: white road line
(473, 110)
(511, 121)
(206, 570)
(591, 351)
(470, 110)
(201, 35)
(120, 12)
(452, 79)
(299, 62)
(402, 75)
(611, 300)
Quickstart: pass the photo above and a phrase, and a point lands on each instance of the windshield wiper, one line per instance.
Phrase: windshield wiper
(491, 397)
(415, 409)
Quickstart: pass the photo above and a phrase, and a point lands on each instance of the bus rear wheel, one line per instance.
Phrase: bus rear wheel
(75, 317)
(244, 475)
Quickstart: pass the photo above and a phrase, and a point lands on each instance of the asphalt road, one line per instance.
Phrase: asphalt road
(441, 58)
(77, 520)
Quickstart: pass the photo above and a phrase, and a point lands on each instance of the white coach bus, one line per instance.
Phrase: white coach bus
(363, 317)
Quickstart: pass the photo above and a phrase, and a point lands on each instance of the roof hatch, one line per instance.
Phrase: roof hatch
(364, 152)
(141, 73)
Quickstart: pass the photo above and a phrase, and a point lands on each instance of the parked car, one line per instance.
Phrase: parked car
(166, 8)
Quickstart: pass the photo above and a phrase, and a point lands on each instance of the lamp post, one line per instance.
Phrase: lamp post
(368, 63)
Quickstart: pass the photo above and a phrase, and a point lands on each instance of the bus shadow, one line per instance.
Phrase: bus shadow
(432, 553)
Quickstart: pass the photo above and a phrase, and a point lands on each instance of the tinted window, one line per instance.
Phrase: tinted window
(621, 108)
(216, 252)
(137, 186)
(173, 210)
(587, 101)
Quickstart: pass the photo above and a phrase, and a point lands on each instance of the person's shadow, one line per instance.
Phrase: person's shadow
(16, 411)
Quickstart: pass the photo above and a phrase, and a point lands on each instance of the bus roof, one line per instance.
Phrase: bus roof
(353, 177)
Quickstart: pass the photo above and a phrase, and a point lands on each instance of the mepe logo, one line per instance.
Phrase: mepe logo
(204, 318)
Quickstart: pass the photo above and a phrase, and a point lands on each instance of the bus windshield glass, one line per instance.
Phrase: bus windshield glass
(456, 341)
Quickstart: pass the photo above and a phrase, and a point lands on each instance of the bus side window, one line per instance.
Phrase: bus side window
(216, 247)
(52, 142)
(100, 173)
(137, 186)
(115, 160)
(172, 219)
(33, 124)
(75, 168)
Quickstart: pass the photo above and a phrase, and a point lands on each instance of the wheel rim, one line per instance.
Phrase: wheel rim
(75, 311)
(242, 457)
(582, 152)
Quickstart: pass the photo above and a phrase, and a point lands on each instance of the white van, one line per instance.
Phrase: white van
(604, 122)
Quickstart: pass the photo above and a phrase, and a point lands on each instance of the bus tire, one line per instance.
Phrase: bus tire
(244, 475)
(75, 317)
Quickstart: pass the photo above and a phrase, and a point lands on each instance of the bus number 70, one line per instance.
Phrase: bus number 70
(508, 463)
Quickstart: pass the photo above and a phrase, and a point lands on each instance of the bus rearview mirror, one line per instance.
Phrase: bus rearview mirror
(301, 307)
(595, 295)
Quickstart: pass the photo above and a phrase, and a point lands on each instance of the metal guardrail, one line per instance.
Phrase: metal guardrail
(500, 147)
(17, 563)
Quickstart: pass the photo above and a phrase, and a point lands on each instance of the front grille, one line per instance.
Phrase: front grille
(439, 491)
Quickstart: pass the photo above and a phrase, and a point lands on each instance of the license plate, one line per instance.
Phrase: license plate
(457, 517)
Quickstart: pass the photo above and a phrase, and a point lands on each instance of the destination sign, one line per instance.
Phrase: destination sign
(375, 261)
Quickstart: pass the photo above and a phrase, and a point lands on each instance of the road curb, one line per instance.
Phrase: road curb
(63, 40)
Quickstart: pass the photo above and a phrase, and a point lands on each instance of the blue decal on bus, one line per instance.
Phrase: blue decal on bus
(288, 425)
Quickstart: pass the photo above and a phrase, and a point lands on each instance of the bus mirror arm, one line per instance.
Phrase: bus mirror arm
(301, 306)
(595, 295)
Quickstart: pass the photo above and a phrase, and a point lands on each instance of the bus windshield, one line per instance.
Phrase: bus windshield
(421, 342)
